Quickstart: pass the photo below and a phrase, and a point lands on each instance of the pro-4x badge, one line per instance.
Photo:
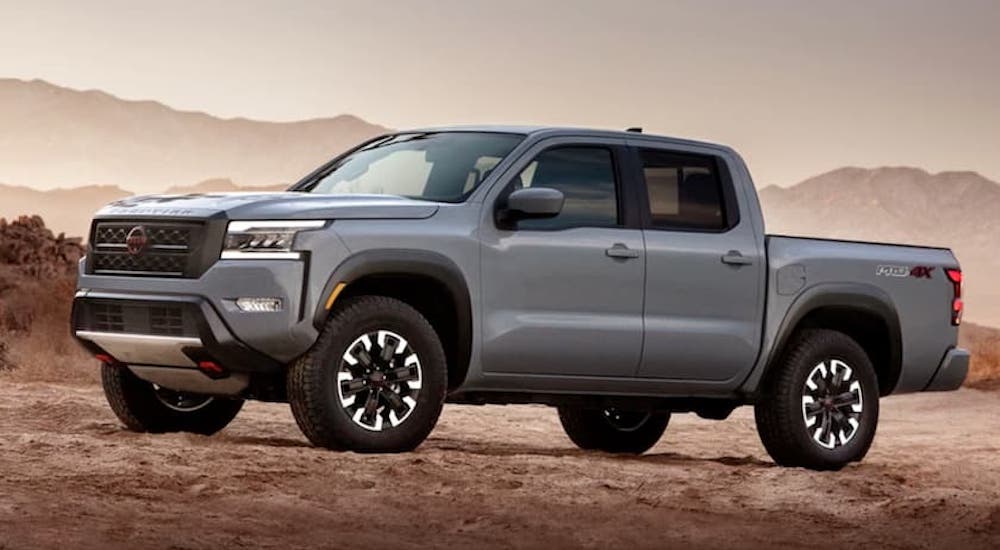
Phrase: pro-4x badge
(919, 271)
(892, 271)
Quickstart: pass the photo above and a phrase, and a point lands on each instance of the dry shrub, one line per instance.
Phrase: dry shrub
(34, 325)
(37, 282)
(984, 343)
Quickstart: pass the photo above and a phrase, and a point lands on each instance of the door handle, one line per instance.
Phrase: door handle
(733, 257)
(621, 251)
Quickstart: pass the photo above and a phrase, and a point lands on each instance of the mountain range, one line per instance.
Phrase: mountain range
(958, 210)
(69, 210)
(51, 136)
(78, 150)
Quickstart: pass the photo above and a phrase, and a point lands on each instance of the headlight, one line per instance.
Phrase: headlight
(265, 240)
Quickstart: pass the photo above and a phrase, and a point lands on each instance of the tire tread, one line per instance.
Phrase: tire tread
(777, 413)
(307, 383)
(134, 402)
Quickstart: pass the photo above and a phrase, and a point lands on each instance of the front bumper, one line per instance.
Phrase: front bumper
(952, 372)
(281, 335)
(167, 340)
(162, 331)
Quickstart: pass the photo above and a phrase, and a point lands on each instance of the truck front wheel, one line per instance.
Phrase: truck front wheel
(612, 430)
(819, 408)
(374, 382)
(144, 407)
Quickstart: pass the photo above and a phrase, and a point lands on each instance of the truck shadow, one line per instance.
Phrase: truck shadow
(514, 449)
(501, 450)
(262, 441)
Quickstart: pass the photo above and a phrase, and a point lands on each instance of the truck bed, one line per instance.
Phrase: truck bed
(921, 300)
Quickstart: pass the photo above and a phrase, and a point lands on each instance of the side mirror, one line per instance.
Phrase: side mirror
(533, 203)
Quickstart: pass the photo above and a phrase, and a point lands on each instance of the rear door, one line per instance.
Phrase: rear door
(705, 268)
(563, 296)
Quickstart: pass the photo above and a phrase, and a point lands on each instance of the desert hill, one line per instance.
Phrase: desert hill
(51, 136)
(220, 185)
(897, 204)
(69, 211)
(959, 210)
(65, 210)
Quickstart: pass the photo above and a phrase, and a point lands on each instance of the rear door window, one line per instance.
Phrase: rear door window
(684, 191)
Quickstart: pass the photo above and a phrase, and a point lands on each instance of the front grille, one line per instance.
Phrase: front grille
(117, 234)
(149, 318)
(169, 250)
(124, 263)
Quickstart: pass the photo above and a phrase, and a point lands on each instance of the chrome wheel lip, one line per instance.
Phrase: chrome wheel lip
(832, 404)
(368, 374)
(166, 397)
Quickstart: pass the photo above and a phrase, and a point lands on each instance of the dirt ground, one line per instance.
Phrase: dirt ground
(488, 477)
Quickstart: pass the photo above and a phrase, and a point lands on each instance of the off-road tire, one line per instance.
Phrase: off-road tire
(136, 404)
(313, 383)
(780, 414)
(591, 429)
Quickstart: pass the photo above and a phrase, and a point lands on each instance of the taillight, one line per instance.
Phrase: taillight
(955, 276)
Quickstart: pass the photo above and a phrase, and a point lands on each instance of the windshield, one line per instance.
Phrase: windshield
(438, 166)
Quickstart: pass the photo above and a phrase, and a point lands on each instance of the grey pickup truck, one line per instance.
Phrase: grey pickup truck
(618, 276)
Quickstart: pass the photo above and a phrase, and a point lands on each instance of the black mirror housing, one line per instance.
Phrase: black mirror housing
(534, 202)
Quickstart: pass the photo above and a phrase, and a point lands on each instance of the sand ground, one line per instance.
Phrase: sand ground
(488, 477)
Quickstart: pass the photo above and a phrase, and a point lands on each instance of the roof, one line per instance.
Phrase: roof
(555, 131)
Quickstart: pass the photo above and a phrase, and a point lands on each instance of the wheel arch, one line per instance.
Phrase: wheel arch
(428, 281)
(863, 312)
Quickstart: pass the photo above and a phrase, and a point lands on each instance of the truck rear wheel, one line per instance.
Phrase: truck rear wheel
(374, 382)
(144, 407)
(819, 407)
(613, 430)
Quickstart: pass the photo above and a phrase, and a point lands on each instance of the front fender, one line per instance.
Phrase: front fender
(399, 262)
(420, 263)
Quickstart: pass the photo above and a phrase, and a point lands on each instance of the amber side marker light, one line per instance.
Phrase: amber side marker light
(957, 306)
(333, 295)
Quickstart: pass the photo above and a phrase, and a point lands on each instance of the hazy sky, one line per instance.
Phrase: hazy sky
(798, 86)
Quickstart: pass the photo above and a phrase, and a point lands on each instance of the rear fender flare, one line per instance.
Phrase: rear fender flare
(851, 296)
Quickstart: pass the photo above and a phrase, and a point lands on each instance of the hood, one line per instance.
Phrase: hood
(274, 206)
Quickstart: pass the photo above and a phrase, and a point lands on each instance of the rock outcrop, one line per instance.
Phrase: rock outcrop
(29, 248)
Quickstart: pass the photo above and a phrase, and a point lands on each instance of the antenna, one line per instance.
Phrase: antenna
(635, 129)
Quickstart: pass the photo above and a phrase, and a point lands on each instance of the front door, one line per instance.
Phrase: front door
(563, 296)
